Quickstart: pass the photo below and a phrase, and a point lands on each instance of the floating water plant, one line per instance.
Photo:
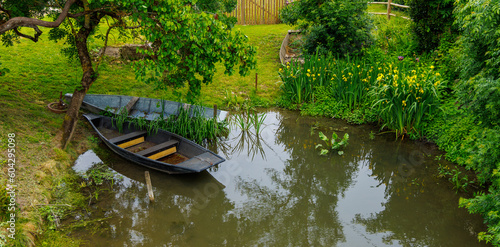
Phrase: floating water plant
(332, 144)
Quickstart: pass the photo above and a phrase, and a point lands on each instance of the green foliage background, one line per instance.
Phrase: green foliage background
(431, 19)
(341, 27)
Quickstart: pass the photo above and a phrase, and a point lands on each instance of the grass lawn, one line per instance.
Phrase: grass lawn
(38, 72)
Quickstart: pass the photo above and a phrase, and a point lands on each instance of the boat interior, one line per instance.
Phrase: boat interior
(136, 142)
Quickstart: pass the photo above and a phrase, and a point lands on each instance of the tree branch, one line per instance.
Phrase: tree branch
(16, 22)
(34, 38)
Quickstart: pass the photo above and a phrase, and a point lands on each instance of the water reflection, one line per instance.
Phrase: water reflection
(276, 190)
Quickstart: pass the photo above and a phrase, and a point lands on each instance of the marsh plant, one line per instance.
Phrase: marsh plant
(248, 119)
(188, 123)
(347, 79)
(243, 121)
(399, 91)
(459, 180)
(333, 143)
(192, 124)
(95, 177)
(404, 94)
(258, 121)
(119, 118)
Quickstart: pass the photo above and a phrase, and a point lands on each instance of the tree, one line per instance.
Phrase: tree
(186, 41)
(342, 27)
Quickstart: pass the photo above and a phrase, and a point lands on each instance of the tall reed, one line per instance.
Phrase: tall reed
(192, 124)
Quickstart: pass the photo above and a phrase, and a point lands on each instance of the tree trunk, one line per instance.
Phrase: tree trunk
(89, 76)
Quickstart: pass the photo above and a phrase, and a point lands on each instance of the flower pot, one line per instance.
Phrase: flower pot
(56, 108)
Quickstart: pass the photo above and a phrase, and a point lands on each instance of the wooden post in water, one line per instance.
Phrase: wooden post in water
(215, 111)
(150, 187)
(389, 2)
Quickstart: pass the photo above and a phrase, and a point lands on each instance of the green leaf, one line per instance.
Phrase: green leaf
(323, 137)
(333, 143)
(324, 152)
(335, 136)
(346, 136)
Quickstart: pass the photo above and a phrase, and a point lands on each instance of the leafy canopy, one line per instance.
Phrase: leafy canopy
(205, 42)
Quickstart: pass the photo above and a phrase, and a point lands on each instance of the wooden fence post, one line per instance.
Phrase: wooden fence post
(389, 2)
(243, 11)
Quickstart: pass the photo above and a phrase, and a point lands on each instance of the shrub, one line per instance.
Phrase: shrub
(393, 36)
(476, 148)
(431, 19)
(478, 21)
(482, 96)
(480, 60)
(341, 27)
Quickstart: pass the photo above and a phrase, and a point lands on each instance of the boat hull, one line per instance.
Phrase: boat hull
(147, 108)
(198, 158)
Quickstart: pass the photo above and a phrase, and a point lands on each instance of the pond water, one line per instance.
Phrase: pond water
(275, 189)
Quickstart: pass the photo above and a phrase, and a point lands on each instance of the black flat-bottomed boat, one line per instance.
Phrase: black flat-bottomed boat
(148, 108)
(163, 151)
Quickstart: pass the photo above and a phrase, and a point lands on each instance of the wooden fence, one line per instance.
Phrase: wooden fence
(253, 12)
(388, 13)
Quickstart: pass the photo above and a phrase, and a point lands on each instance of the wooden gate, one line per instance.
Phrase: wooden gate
(253, 12)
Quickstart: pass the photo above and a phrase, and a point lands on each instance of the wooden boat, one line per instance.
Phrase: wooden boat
(162, 151)
(138, 107)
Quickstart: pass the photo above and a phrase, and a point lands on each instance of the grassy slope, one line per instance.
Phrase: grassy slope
(38, 72)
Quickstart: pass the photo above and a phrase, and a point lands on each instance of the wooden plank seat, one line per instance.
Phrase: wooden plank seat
(161, 150)
(130, 139)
